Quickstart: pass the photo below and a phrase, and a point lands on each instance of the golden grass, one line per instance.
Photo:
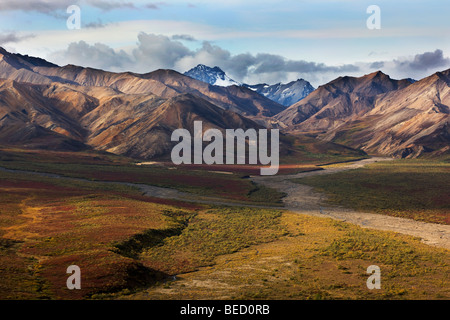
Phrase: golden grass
(304, 265)
(219, 253)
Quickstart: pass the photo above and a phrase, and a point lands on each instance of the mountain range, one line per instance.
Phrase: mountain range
(284, 94)
(46, 106)
(377, 114)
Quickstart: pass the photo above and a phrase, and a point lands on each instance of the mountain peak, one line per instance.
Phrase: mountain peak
(377, 74)
(214, 76)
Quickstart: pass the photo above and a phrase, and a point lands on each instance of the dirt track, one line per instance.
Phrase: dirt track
(302, 199)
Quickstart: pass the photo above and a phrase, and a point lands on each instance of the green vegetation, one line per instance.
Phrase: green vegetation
(134, 246)
(213, 233)
(309, 258)
(381, 248)
(129, 247)
(416, 189)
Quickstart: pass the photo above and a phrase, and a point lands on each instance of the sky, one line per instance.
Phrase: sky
(253, 41)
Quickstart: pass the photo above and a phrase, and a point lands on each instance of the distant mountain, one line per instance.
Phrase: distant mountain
(214, 76)
(284, 94)
(378, 114)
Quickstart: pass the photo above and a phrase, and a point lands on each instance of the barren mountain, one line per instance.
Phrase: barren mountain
(65, 116)
(378, 114)
(143, 128)
(338, 101)
(406, 123)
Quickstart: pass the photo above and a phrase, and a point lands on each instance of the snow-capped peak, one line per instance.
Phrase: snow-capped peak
(214, 76)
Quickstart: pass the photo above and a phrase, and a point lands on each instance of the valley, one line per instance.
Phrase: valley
(87, 179)
(288, 252)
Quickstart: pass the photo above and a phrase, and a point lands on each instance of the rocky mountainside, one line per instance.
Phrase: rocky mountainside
(71, 117)
(408, 122)
(338, 101)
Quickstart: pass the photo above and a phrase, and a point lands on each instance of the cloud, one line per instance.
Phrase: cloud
(425, 61)
(184, 37)
(95, 25)
(98, 56)
(267, 63)
(13, 38)
(155, 6)
(377, 65)
(157, 51)
(110, 5)
(50, 7)
(262, 67)
(416, 67)
(161, 52)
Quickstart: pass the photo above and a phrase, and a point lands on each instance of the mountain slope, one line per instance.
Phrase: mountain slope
(143, 130)
(377, 114)
(27, 117)
(338, 101)
(234, 98)
(70, 117)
